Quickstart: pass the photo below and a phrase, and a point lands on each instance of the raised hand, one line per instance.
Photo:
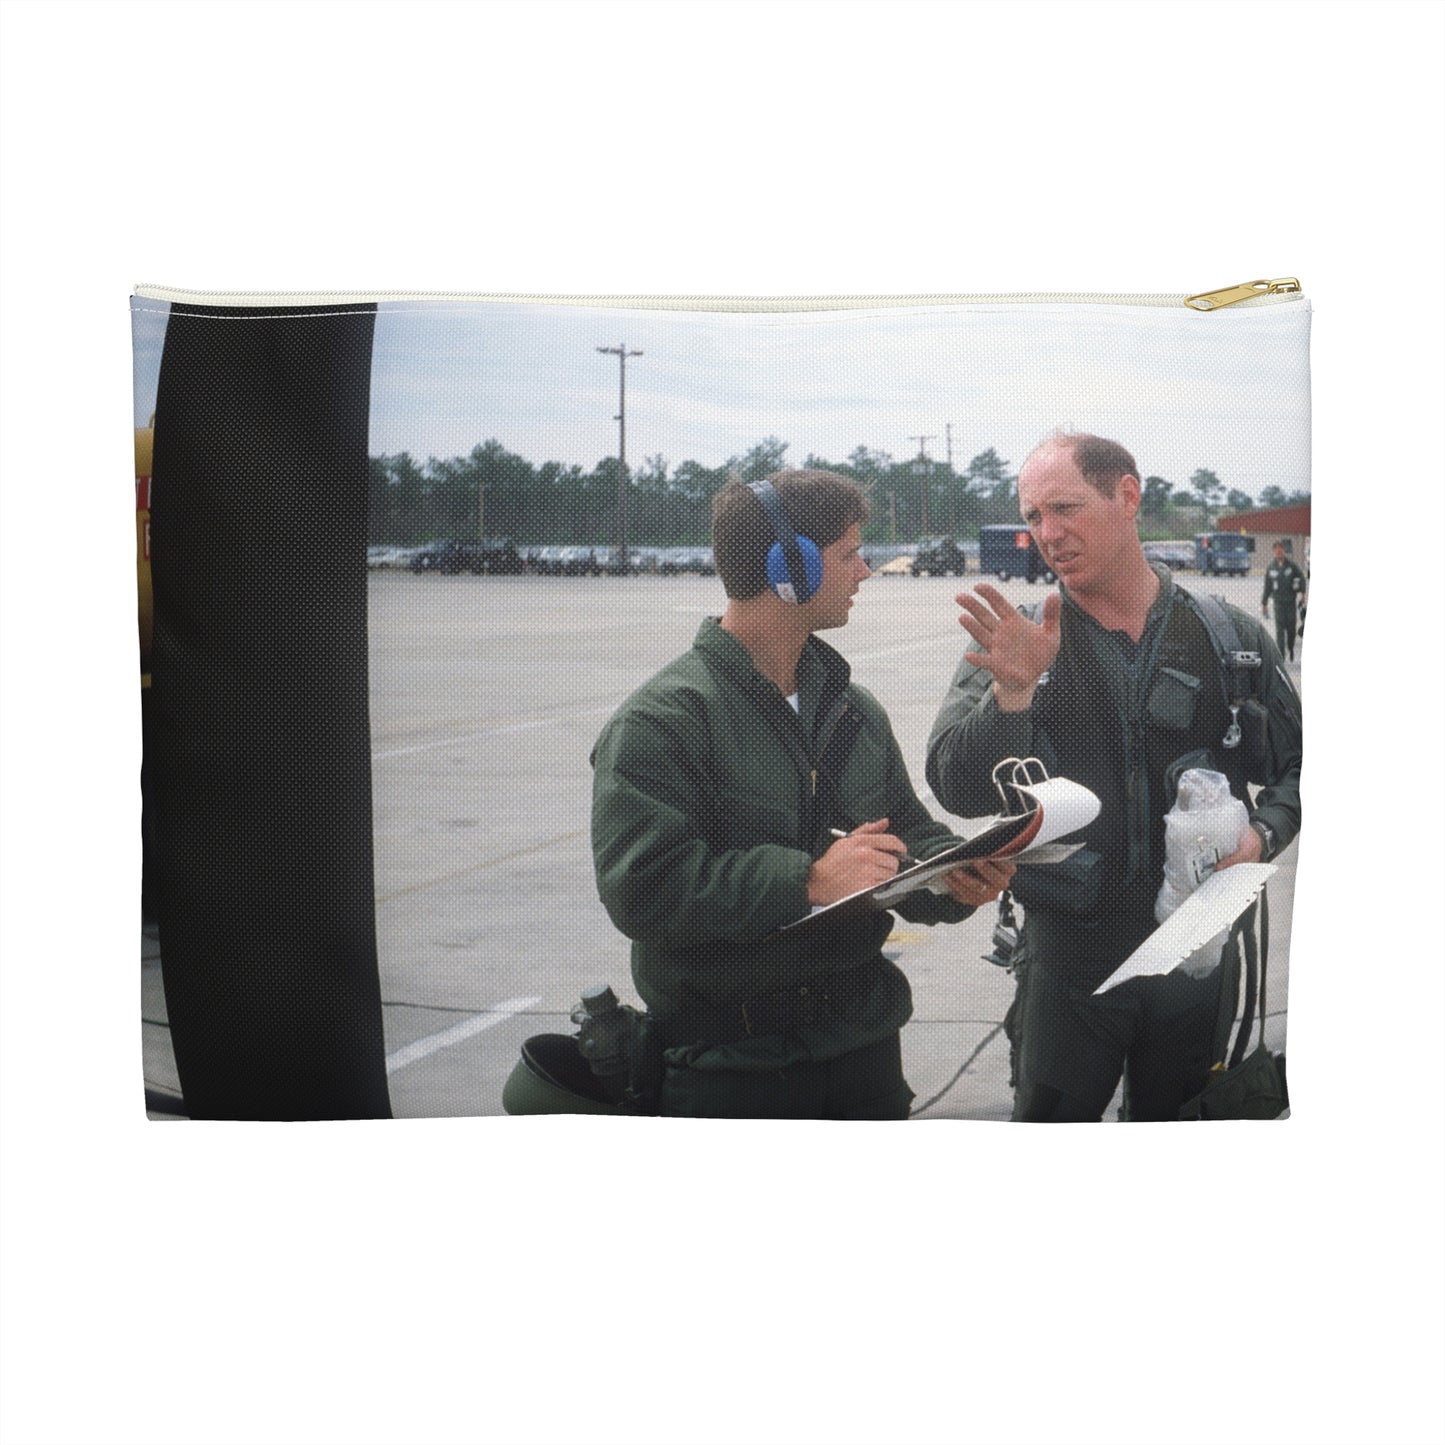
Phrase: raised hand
(1016, 651)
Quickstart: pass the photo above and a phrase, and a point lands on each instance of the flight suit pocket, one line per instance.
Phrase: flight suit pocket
(1173, 699)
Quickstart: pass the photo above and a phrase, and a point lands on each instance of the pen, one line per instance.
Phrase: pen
(905, 861)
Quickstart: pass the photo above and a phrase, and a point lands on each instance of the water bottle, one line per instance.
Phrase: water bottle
(604, 1028)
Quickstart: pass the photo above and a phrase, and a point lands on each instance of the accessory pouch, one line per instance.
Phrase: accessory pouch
(402, 556)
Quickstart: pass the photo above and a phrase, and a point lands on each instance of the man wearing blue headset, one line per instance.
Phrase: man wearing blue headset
(750, 781)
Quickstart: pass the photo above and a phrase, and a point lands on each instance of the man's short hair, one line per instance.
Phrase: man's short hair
(821, 505)
(1100, 461)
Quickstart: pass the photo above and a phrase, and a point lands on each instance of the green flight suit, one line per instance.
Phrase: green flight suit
(709, 807)
(1285, 583)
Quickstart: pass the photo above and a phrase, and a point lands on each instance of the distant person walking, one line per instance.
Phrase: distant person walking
(1284, 582)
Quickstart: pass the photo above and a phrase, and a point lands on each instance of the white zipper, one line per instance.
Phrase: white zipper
(1250, 293)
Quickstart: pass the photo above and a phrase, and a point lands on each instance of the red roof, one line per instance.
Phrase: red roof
(1287, 521)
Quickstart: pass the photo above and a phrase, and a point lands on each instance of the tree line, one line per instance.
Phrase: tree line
(494, 492)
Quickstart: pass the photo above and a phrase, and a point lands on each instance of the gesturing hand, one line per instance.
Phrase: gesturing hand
(1018, 652)
(870, 854)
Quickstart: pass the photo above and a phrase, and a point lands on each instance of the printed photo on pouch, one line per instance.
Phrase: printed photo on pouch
(553, 705)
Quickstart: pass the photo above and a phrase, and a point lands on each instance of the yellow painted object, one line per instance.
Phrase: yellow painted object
(144, 446)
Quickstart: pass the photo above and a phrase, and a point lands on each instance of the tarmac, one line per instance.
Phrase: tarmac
(486, 696)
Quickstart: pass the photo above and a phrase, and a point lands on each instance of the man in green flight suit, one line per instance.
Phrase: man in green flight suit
(750, 781)
(1117, 684)
(1283, 581)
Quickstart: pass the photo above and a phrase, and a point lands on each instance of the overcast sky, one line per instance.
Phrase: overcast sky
(1180, 389)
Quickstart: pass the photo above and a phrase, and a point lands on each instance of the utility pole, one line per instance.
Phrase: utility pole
(621, 352)
(952, 482)
(921, 468)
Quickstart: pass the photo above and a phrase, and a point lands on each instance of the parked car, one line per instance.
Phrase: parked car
(1175, 555)
(879, 555)
(939, 556)
(700, 560)
(580, 562)
(442, 555)
(547, 561)
(899, 566)
(611, 563)
(387, 554)
(499, 556)
(486, 555)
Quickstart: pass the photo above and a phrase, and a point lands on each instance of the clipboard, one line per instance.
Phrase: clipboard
(1039, 811)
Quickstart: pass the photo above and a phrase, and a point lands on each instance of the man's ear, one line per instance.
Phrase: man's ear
(1130, 490)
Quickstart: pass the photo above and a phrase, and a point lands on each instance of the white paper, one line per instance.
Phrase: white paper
(1068, 806)
(1211, 908)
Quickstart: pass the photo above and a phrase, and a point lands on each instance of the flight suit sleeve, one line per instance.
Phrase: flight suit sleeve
(970, 736)
(662, 878)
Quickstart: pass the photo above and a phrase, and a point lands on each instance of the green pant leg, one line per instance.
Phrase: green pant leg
(1174, 1046)
(1070, 1046)
(868, 1083)
(797, 1092)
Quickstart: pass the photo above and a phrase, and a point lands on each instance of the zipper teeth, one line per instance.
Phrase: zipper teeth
(678, 303)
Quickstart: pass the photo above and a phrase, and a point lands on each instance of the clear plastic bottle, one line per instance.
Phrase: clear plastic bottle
(1204, 825)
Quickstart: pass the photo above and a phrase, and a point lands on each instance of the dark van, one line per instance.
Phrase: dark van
(1217, 552)
(1010, 551)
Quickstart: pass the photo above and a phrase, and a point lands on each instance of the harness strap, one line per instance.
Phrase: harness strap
(1256, 962)
(1251, 986)
(1263, 957)
(1239, 668)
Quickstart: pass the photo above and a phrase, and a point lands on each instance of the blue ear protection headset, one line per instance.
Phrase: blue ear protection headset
(795, 565)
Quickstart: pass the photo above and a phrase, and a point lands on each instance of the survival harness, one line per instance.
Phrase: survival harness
(1239, 667)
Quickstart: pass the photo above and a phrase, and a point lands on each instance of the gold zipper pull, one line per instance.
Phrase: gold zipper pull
(1228, 295)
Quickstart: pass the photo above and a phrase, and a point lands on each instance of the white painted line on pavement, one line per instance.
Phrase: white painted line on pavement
(500, 732)
(498, 1013)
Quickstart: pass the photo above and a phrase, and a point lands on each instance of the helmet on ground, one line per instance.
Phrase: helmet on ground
(552, 1077)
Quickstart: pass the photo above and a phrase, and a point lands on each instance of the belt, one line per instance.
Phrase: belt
(781, 1011)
